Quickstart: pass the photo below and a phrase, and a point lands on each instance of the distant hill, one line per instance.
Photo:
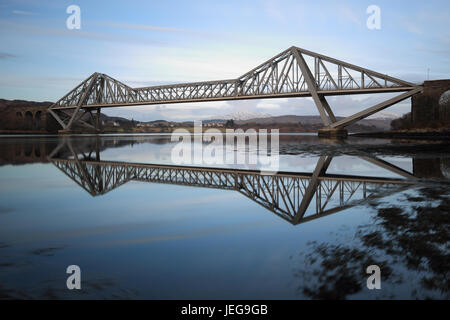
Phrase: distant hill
(384, 124)
(22, 103)
(240, 115)
(386, 115)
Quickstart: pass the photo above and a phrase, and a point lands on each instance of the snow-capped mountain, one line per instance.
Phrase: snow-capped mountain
(241, 115)
(385, 115)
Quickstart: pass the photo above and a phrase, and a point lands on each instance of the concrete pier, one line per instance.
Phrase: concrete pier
(332, 133)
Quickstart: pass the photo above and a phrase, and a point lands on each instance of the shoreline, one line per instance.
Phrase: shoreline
(419, 135)
(416, 135)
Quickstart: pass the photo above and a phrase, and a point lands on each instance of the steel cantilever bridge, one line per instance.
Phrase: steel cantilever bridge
(294, 72)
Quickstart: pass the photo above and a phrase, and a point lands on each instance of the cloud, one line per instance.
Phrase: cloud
(272, 104)
(268, 106)
(28, 29)
(412, 28)
(349, 15)
(5, 55)
(149, 28)
(445, 52)
(178, 112)
(445, 39)
(25, 13)
(274, 10)
(192, 106)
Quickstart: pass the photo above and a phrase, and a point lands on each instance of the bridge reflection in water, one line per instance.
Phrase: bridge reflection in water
(297, 197)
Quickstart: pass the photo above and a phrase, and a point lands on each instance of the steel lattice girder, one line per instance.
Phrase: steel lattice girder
(294, 72)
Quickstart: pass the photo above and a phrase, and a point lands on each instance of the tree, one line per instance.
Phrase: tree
(229, 123)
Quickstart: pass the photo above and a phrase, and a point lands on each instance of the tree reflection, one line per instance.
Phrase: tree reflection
(409, 242)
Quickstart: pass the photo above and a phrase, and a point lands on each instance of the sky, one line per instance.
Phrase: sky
(145, 43)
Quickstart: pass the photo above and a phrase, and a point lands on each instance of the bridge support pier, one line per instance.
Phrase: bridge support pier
(98, 121)
(334, 133)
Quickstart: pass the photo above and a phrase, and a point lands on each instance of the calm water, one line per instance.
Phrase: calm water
(139, 227)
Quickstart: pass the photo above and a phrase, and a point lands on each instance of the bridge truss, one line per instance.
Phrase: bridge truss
(294, 72)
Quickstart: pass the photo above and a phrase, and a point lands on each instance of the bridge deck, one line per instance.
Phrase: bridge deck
(240, 97)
